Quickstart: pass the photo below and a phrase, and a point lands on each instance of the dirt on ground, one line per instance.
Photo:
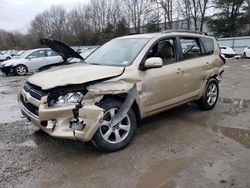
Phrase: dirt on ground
(182, 147)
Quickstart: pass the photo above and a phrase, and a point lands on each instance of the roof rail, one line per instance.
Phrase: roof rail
(184, 30)
(136, 33)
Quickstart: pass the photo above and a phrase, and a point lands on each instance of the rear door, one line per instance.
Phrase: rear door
(195, 63)
(52, 57)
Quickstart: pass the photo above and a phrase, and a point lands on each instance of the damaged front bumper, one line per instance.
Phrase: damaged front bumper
(6, 69)
(60, 121)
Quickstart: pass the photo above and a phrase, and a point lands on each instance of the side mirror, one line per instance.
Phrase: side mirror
(28, 57)
(153, 62)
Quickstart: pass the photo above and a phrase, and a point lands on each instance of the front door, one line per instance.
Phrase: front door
(36, 59)
(163, 86)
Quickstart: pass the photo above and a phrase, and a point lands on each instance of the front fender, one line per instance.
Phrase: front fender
(108, 88)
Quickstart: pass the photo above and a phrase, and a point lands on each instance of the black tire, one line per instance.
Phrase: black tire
(244, 55)
(8, 58)
(21, 70)
(109, 144)
(203, 102)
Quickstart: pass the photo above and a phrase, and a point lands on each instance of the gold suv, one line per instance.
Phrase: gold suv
(103, 98)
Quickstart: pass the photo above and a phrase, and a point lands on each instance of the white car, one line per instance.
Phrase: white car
(84, 54)
(30, 61)
(246, 52)
(18, 54)
(227, 51)
(4, 56)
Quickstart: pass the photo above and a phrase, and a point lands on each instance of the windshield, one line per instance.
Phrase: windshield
(117, 52)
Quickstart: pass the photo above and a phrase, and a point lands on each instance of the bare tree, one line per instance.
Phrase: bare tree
(194, 12)
(51, 23)
(137, 10)
(185, 8)
(167, 7)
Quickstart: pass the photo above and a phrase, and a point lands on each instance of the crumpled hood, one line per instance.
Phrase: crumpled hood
(73, 74)
(11, 62)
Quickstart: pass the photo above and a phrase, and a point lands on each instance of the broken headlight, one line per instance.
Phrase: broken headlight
(67, 99)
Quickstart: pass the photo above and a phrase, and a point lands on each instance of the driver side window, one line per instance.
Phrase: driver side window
(37, 54)
(164, 49)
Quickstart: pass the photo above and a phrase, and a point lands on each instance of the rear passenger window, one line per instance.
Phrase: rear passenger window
(51, 53)
(208, 45)
(190, 48)
(37, 54)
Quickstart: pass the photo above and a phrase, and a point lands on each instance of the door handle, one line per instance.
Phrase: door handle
(179, 71)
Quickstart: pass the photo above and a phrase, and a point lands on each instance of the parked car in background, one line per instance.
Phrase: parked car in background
(227, 51)
(30, 61)
(84, 54)
(105, 97)
(18, 54)
(246, 52)
(4, 56)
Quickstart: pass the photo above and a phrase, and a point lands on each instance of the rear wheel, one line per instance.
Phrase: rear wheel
(210, 97)
(244, 55)
(21, 70)
(113, 138)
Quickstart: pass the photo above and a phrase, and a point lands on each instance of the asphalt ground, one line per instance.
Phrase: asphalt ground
(182, 147)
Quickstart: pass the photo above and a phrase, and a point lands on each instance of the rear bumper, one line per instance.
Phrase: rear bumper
(57, 121)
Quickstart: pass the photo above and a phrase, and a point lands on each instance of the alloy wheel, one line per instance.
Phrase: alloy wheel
(117, 133)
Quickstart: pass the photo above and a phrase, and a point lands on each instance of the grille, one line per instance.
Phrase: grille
(34, 92)
(33, 109)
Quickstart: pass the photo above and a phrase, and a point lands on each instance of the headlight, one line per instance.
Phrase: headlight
(67, 99)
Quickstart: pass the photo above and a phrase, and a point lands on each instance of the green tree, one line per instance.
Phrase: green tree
(153, 24)
(121, 28)
(230, 20)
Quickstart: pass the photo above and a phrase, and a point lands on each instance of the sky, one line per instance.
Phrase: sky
(16, 15)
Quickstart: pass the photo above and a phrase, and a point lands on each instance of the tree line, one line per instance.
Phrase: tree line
(101, 20)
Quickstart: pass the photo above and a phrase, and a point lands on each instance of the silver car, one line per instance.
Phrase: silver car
(30, 61)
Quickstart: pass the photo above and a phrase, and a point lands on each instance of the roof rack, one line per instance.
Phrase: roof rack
(184, 30)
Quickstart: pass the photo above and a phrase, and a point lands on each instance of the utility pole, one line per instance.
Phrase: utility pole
(248, 2)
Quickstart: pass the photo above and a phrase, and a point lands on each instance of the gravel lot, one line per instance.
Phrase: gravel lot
(183, 147)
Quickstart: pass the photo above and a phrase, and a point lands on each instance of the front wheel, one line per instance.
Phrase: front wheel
(113, 138)
(21, 70)
(210, 97)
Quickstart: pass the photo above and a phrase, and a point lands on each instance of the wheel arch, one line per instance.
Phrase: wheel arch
(22, 65)
(212, 76)
(122, 97)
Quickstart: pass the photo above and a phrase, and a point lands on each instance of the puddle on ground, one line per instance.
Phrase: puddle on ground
(245, 66)
(235, 106)
(241, 136)
(160, 174)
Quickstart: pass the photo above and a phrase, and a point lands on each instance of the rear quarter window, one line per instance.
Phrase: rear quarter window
(208, 46)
